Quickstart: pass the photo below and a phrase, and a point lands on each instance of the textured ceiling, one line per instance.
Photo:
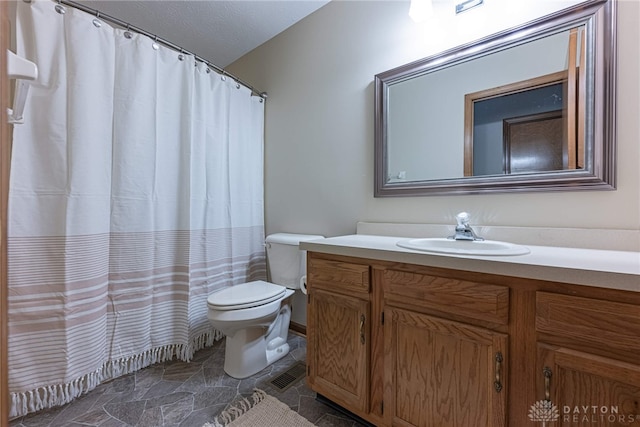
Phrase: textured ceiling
(219, 31)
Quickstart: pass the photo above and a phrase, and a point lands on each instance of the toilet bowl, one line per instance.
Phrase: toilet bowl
(254, 316)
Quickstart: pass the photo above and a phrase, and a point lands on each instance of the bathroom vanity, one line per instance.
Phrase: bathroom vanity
(405, 338)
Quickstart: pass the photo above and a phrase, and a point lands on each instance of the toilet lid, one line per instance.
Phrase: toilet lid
(245, 295)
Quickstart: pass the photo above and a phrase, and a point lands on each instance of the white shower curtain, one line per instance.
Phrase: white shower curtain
(136, 190)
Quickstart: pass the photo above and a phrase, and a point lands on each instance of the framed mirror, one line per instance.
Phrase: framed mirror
(531, 108)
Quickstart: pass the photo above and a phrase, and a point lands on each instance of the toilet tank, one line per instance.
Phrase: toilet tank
(287, 263)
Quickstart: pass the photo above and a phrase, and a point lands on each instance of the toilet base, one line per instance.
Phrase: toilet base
(247, 353)
(250, 350)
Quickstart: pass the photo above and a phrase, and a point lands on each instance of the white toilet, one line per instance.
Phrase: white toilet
(255, 316)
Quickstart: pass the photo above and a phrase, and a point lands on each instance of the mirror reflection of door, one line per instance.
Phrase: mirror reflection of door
(529, 126)
(521, 103)
(534, 143)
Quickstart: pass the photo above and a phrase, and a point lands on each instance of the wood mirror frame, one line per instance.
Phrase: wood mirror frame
(598, 132)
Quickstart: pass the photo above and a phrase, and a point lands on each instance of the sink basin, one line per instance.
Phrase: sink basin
(464, 247)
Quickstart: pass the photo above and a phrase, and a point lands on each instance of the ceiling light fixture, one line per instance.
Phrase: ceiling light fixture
(420, 10)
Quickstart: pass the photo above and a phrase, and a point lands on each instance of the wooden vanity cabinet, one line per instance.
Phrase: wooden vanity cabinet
(339, 332)
(456, 348)
(341, 354)
(588, 361)
(446, 350)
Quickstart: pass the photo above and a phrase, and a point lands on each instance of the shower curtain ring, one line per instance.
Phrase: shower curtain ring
(96, 22)
(60, 8)
(155, 44)
(181, 56)
(127, 34)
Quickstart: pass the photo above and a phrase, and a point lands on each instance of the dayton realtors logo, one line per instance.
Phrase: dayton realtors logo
(545, 411)
(599, 415)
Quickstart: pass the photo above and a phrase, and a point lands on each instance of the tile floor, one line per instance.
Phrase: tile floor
(179, 394)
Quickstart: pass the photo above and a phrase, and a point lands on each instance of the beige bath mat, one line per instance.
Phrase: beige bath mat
(260, 410)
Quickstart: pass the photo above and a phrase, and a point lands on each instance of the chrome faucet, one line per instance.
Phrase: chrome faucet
(463, 229)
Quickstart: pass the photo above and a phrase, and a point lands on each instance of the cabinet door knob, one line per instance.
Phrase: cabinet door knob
(362, 329)
(497, 384)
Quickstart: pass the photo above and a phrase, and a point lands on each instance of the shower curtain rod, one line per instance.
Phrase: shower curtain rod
(156, 39)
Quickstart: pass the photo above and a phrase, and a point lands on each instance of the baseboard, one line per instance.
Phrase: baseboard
(298, 328)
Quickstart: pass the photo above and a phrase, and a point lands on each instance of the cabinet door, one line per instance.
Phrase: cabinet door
(338, 348)
(443, 373)
(585, 389)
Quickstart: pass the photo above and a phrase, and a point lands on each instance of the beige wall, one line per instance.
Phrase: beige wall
(319, 120)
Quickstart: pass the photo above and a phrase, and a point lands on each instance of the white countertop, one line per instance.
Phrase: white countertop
(590, 267)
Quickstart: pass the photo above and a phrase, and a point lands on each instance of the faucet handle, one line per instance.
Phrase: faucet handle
(462, 219)
(463, 229)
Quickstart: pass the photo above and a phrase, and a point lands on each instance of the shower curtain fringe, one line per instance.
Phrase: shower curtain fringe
(26, 402)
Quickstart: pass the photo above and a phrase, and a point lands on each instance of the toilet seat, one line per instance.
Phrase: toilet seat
(246, 295)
